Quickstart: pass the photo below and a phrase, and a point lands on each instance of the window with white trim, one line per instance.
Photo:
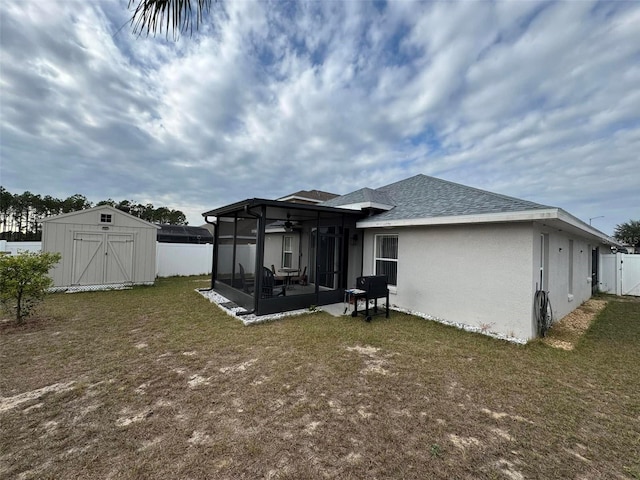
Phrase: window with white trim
(386, 258)
(105, 218)
(287, 252)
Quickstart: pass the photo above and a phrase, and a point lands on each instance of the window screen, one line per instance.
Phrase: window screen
(386, 257)
(287, 252)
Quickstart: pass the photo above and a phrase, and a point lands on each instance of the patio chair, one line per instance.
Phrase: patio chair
(268, 285)
(301, 279)
(279, 280)
(248, 285)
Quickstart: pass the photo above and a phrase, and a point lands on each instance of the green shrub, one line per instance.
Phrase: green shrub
(24, 280)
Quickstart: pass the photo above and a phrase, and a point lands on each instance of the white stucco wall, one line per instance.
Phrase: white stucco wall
(273, 249)
(562, 300)
(479, 275)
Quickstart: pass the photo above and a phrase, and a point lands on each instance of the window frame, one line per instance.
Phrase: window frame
(287, 252)
(106, 218)
(392, 287)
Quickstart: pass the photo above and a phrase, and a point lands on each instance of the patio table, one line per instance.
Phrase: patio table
(289, 272)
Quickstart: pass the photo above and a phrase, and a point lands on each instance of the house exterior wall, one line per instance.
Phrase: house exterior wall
(479, 275)
(564, 261)
(58, 236)
(273, 249)
(485, 276)
(354, 266)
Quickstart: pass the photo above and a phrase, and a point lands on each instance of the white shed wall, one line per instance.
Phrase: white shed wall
(58, 236)
(479, 275)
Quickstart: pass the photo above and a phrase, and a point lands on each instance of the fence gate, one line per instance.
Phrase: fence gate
(630, 275)
(102, 258)
(620, 274)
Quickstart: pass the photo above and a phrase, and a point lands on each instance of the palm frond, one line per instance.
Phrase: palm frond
(158, 16)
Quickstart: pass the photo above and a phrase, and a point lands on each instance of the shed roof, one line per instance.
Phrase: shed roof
(78, 214)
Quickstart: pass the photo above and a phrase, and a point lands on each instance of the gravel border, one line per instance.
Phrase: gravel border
(249, 319)
(462, 326)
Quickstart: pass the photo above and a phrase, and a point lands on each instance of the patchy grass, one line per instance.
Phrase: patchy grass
(567, 332)
(156, 382)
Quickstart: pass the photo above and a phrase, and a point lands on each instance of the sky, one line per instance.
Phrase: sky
(537, 100)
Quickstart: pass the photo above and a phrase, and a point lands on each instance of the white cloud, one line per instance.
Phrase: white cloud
(536, 100)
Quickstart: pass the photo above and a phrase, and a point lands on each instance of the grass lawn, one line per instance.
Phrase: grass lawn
(158, 383)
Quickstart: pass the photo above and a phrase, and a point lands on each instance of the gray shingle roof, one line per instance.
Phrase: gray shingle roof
(422, 196)
(312, 194)
(361, 196)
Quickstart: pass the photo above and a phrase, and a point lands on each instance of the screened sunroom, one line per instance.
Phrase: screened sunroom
(272, 256)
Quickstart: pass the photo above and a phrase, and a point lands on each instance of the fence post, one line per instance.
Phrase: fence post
(619, 263)
(157, 258)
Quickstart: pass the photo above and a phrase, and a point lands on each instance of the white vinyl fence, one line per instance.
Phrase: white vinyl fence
(18, 247)
(620, 274)
(171, 258)
(245, 255)
(183, 259)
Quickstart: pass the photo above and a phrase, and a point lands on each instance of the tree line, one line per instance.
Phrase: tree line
(20, 214)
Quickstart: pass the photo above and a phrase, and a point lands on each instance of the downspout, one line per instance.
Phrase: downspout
(214, 254)
(317, 265)
(362, 255)
(259, 256)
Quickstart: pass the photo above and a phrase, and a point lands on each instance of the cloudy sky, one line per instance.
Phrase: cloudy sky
(536, 100)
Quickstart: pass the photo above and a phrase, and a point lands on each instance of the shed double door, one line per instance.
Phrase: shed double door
(102, 258)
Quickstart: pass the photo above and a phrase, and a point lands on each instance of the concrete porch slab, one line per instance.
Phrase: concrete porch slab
(335, 309)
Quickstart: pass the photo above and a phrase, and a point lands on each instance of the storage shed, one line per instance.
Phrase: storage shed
(100, 247)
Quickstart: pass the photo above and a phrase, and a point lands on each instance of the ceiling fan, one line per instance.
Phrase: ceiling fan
(288, 225)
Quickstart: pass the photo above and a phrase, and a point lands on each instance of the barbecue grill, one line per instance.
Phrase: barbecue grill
(369, 288)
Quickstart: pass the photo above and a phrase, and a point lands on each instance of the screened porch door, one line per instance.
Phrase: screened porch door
(330, 270)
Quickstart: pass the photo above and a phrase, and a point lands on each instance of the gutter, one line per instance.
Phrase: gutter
(215, 251)
(546, 214)
(523, 216)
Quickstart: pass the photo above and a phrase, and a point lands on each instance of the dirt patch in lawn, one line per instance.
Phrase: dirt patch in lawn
(33, 323)
(7, 403)
(168, 386)
(566, 333)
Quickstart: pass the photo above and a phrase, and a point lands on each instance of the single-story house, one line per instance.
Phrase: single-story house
(450, 251)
